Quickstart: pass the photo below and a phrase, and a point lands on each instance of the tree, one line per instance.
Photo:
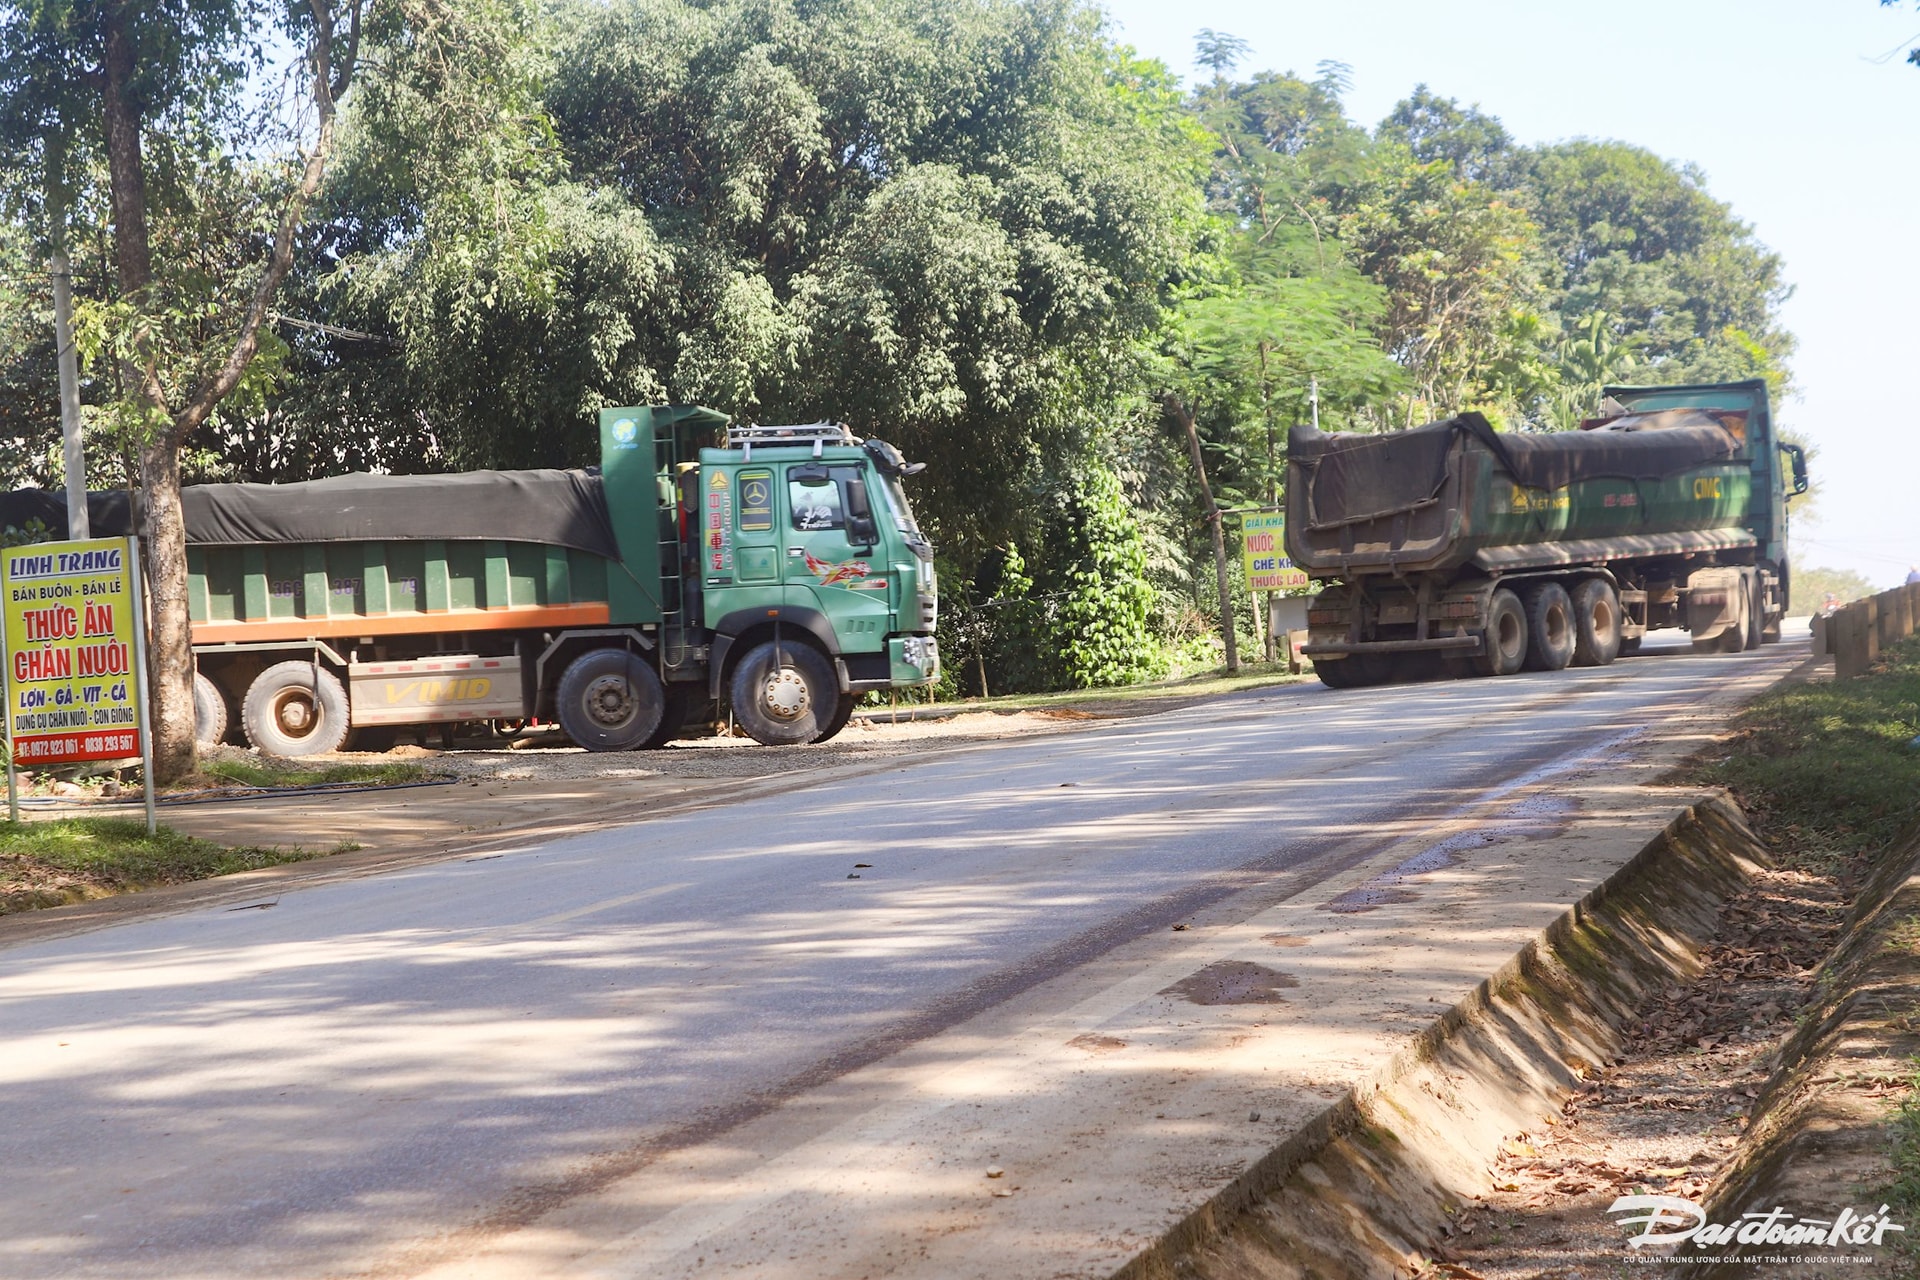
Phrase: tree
(1642, 240)
(185, 330)
(1476, 146)
(950, 225)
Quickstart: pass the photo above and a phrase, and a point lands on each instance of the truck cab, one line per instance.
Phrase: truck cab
(804, 536)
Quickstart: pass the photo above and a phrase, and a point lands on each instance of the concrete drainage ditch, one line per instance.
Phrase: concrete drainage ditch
(1367, 1188)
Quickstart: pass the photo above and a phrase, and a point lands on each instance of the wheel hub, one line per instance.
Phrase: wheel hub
(295, 713)
(609, 701)
(786, 694)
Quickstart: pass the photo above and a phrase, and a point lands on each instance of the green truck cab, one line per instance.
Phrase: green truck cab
(1456, 547)
(773, 571)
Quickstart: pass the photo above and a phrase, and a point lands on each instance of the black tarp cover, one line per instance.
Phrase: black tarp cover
(555, 508)
(1355, 476)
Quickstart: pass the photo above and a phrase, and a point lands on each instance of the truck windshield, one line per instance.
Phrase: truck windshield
(902, 509)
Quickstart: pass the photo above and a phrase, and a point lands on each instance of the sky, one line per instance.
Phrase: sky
(1782, 104)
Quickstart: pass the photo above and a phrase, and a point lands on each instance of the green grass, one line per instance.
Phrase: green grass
(1827, 768)
(47, 863)
(271, 772)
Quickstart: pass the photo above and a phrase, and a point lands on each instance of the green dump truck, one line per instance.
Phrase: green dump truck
(775, 570)
(1454, 547)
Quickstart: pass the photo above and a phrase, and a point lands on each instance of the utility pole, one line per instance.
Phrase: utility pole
(78, 527)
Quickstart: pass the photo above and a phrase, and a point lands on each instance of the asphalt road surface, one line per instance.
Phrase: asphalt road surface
(370, 1077)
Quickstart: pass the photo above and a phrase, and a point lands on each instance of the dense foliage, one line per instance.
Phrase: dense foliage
(978, 228)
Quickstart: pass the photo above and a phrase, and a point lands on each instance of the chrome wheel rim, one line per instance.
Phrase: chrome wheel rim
(786, 695)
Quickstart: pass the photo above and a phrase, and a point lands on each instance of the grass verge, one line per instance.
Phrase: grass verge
(1829, 770)
(45, 864)
(268, 771)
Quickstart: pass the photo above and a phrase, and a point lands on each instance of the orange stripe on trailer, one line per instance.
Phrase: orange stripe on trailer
(390, 624)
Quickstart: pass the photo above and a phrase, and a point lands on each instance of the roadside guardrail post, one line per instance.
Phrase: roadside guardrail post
(1853, 637)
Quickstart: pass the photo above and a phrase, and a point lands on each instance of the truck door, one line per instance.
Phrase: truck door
(835, 558)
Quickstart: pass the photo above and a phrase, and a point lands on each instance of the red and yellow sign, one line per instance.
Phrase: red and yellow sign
(72, 656)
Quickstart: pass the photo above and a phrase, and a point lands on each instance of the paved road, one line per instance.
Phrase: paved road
(368, 1077)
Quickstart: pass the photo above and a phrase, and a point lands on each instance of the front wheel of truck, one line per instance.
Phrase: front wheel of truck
(784, 693)
(295, 709)
(842, 712)
(610, 700)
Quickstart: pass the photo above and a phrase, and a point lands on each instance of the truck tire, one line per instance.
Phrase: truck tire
(841, 714)
(1355, 671)
(295, 709)
(1596, 622)
(1756, 622)
(1734, 638)
(1506, 636)
(211, 715)
(1551, 634)
(784, 693)
(680, 699)
(610, 700)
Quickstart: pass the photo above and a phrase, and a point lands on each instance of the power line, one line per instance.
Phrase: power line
(332, 330)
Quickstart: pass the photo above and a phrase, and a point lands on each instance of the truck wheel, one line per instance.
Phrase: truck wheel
(610, 700)
(1551, 634)
(1355, 671)
(673, 717)
(210, 714)
(295, 709)
(1506, 636)
(1734, 638)
(1596, 623)
(841, 714)
(1756, 624)
(783, 694)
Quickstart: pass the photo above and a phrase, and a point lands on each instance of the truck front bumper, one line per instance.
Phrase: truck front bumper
(914, 659)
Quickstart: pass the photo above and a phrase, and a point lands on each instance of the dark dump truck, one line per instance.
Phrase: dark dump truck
(1453, 547)
(774, 570)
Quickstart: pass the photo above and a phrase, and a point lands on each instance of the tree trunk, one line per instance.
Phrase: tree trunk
(170, 652)
(169, 673)
(1184, 416)
(170, 649)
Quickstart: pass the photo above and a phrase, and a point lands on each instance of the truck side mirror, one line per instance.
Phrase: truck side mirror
(861, 531)
(1798, 457)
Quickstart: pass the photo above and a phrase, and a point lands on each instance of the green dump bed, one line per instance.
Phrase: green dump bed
(390, 555)
(1686, 469)
(345, 589)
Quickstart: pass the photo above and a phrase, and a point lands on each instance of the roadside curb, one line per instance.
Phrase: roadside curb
(1365, 1188)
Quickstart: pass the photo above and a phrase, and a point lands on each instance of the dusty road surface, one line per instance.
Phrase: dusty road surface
(1004, 1010)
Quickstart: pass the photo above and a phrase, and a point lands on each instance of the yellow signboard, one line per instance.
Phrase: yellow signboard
(73, 655)
(1264, 550)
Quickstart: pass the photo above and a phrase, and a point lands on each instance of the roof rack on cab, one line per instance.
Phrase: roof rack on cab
(817, 434)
